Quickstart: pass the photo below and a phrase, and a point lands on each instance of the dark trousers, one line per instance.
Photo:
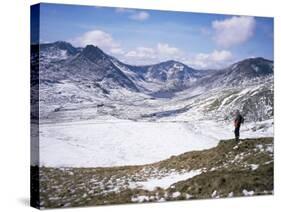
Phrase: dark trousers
(236, 132)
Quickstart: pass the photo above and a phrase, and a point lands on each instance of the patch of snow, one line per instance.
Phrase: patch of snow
(260, 147)
(268, 162)
(235, 147)
(214, 194)
(230, 194)
(176, 194)
(269, 149)
(256, 68)
(164, 182)
(254, 166)
(248, 193)
(141, 198)
(152, 198)
(162, 199)
(213, 169)
(54, 198)
(188, 196)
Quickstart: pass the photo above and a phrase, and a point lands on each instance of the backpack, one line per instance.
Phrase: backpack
(241, 119)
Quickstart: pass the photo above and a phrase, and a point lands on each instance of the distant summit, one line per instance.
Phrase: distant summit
(94, 53)
(253, 67)
(59, 45)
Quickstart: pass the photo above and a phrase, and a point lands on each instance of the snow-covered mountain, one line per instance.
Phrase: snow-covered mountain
(164, 77)
(245, 72)
(100, 67)
(172, 75)
(58, 49)
(61, 61)
(246, 85)
(78, 81)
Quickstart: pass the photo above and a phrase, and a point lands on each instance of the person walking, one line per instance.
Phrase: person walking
(237, 123)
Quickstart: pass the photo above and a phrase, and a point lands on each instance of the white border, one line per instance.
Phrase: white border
(14, 76)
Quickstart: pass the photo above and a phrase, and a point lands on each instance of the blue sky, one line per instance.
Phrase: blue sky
(151, 36)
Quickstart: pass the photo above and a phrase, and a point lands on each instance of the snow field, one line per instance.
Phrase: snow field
(96, 144)
(114, 142)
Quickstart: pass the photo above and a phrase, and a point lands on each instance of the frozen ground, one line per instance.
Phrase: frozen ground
(117, 142)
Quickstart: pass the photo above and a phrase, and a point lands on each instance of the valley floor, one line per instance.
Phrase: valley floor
(115, 142)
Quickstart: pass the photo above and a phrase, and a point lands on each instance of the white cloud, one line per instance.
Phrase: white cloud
(215, 59)
(138, 55)
(134, 14)
(233, 31)
(141, 53)
(98, 38)
(149, 55)
(117, 51)
(139, 16)
(216, 55)
(162, 52)
(165, 49)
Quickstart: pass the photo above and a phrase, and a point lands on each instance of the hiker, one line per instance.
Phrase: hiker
(237, 122)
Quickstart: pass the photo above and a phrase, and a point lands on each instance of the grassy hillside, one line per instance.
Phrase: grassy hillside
(230, 169)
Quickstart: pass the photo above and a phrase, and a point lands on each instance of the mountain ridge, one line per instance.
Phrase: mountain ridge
(91, 76)
(62, 45)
